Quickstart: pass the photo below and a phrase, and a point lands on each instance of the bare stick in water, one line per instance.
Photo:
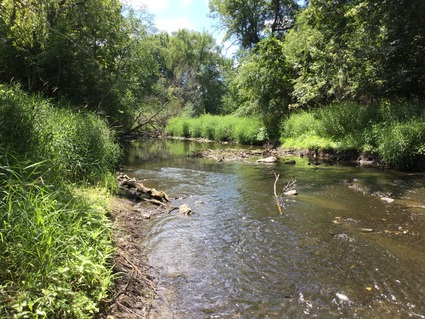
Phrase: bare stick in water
(275, 194)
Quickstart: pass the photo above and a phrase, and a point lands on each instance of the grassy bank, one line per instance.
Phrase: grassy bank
(394, 131)
(243, 130)
(54, 237)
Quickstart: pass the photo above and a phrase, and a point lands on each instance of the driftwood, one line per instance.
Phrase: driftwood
(142, 192)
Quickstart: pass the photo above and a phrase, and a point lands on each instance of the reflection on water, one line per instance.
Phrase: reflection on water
(338, 250)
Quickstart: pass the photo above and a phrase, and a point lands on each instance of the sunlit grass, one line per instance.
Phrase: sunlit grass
(55, 245)
(243, 130)
(75, 146)
(395, 131)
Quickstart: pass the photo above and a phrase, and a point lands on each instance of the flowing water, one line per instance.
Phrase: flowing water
(337, 251)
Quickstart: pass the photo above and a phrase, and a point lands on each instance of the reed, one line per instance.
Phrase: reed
(76, 146)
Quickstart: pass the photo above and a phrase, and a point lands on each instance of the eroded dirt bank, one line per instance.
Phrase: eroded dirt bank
(134, 288)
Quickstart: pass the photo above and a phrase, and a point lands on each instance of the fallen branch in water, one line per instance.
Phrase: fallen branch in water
(275, 194)
(142, 192)
(289, 185)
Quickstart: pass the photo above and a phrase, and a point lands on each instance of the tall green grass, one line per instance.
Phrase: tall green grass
(395, 131)
(75, 146)
(304, 130)
(54, 247)
(55, 244)
(243, 130)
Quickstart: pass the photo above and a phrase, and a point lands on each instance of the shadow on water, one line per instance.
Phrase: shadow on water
(337, 251)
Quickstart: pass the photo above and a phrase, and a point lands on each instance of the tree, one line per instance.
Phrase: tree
(403, 46)
(86, 51)
(197, 66)
(250, 21)
(358, 50)
(264, 84)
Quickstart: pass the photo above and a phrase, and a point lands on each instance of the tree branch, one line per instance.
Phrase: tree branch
(145, 122)
(275, 194)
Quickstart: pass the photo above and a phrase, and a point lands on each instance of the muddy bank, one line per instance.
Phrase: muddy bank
(134, 289)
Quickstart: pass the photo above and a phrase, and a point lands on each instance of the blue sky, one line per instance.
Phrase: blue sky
(171, 15)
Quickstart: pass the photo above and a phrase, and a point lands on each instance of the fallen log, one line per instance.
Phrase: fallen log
(141, 191)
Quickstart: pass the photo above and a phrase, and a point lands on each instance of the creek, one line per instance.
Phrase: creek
(337, 251)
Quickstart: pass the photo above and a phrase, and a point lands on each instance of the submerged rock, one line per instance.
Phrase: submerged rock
(267, 160)
(185, 210)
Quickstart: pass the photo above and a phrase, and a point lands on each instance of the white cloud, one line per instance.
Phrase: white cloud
(171, 25)
(152, 5)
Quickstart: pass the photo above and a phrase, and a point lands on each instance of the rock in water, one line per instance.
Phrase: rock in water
(185, 210)
(291, 193)
(267, 160)
(388, 200)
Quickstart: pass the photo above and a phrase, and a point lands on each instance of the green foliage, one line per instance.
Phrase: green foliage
(178, 126)
(73, 145)
(402, 144)
(86, 51)
(394, 131)
(304, 130)
(247, 20)
(243, 130)
(194, 65)
(361, 50)
(301, 124)
(347, 118)
(265, 78)
(54, 239)
(53, 246)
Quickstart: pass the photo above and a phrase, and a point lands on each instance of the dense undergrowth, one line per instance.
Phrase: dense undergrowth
(55, 180)
(395, 131)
